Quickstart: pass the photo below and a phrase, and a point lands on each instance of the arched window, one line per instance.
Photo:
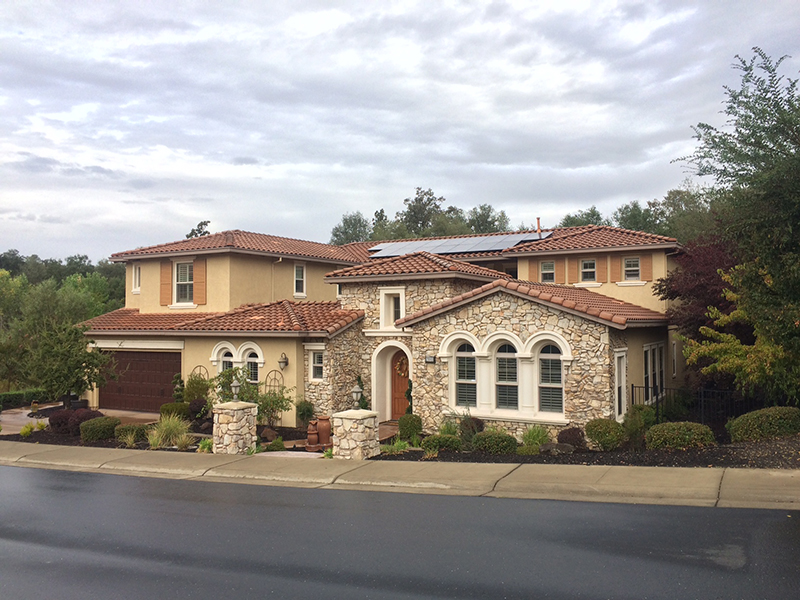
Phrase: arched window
(506, 377)
(227, 360)
(252, 367)
(551, 390)
(466, 386)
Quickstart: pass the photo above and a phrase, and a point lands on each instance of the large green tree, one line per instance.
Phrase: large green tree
(755, 163)
(590, 216)
(354, 227)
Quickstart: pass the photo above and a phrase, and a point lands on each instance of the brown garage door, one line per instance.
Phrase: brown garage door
(145, 381)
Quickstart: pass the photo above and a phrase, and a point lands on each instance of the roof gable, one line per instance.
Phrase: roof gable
(415, 265)
(592, 237)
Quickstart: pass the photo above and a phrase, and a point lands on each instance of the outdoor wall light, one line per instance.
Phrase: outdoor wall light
(283, 361)
(356, 393)
(235, 385)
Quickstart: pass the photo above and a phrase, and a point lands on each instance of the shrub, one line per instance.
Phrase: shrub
(409, 426)
(184, 442)
(127, 438)
(434, 443)
(272, 403)
(81, 416)
(679, 435)
(468, 427)
(495, 442)
(178, 387)
(138, 431)
(606, 433)
(397, 446)
(100, 428)
(181, 409)
(167, 431)
(448, 427)
(535, 436)
(275, 446)
(767, 423)
(206, 445)
(198, 408)
(527, 450)
(22, 398)
(305, 412)
(633, 425)
(572, 436)
(40, 426)
(197, 388)
(59, 421)
(26, 430)
(647, 412)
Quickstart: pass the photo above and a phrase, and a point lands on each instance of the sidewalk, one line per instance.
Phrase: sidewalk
(739, 488)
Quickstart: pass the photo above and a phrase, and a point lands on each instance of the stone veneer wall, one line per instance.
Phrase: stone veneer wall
(234, 427)
(344, 360)
(588, 385)
(355, 434)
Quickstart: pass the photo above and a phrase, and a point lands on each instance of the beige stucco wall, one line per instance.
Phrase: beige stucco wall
(636, 340)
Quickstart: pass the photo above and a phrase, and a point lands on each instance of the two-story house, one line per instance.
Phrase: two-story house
(547, 326)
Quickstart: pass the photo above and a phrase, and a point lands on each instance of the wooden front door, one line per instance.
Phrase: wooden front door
(399, 376)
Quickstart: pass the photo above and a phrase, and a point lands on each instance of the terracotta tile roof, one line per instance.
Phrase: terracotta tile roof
(596, 306)
(129, 319)
(591, 237)
(322, 318)
(236, 240)
(421, 264)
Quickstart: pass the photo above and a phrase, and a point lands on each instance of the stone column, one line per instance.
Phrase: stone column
(234, 427)
(355, 434)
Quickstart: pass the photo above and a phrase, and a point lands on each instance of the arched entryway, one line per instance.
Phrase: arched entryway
(391, 372)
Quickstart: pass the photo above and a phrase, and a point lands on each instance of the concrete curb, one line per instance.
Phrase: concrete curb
(712, 487)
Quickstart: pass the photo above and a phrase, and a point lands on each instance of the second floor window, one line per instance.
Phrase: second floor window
(137, 278)
(588, 270)
(316, 365)
(299, 280)
(632, 269)
(184, 283)
(548, 271)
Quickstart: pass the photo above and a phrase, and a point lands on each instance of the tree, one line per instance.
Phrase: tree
(590, 216)
(755, 163)
(420, 211)
(199, 231)
(353, 227)
(634, 216)
(485, 219)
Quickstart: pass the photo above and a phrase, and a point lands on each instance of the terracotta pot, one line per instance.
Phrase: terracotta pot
(313, 438)
(324, 430)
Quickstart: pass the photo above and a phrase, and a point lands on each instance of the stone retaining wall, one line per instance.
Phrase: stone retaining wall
(234, 427)
(355, 434)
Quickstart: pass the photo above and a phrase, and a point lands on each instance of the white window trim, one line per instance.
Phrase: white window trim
(310, 349)
(136, 277)
(621, 353)
(660, 371)
(175, 263)
(542, 271)
(587, 284)
(387, 320)
(630, 283)
(304, 293)
(594, 270)
(639, 268)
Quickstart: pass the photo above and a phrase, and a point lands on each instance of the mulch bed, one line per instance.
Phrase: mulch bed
(768, 454)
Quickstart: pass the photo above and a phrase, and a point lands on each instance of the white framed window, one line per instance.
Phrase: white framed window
(137, 279)
(466, 380)
(392, 306)
(588, 270)
(674, 359)
(653, 370)
(632, 270)
(227, 360)
(551, 383)
(547, 271)
(317, 358)
(184, 282)
(621, 381)
(506, 388)
(252, 367)
(299, 280)
(338, 290)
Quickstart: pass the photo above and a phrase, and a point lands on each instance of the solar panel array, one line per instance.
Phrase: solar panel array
(485, 243)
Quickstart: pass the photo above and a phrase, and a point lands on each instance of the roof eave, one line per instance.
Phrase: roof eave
(122, 258)
(664, 246)
(407, 276)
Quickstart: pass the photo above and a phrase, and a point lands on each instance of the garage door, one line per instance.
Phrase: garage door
(145, 381)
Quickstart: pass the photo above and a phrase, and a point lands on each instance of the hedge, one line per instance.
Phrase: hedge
(767, 423)
(22, 398)
(100, 428)
(434, 443)
(679, 435)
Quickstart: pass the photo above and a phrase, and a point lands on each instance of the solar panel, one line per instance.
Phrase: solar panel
(486, 243)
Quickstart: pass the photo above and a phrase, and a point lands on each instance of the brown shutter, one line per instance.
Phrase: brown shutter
(199, 280)
(616, 268)
(560, 270)
(602, 269)
(572, 270)
(166, 283)
(646, 267)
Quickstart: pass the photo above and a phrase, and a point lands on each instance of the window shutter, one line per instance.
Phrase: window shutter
(572, 270)
(616, 269)
(646, 267)
(166, 283)
(200, 281)
(560, 270)
(602, 269)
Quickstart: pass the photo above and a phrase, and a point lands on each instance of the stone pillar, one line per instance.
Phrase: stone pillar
(355, 434)
(234, 427)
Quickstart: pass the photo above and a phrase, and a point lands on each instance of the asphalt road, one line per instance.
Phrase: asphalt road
(66, 535)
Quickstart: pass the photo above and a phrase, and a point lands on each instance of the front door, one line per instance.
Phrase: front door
(399, 384)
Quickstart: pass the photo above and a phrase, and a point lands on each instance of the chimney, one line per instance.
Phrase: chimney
(538, 226)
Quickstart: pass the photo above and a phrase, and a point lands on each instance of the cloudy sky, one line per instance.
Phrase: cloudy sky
(123, 124)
